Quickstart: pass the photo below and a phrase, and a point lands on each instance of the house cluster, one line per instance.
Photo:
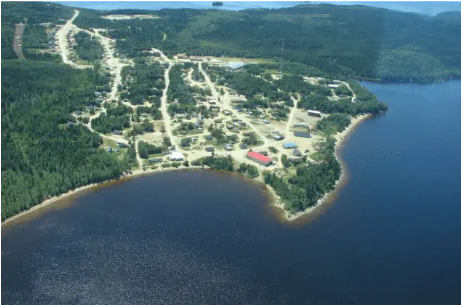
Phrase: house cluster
(301, 130)
(276, 135)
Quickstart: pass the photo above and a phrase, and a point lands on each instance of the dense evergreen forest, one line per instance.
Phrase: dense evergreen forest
(88, 48)
(344, 41)
(44, 152)
(32, 14)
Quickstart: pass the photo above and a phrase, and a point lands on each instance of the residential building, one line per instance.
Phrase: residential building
(314, 113)
(155, 160)
(302, 134)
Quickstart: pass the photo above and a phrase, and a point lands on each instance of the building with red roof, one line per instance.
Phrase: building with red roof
(257, 157)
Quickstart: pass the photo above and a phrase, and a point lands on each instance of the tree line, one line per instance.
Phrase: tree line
(42, 154)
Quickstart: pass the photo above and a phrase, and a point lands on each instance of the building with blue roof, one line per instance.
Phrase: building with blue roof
(290, 145)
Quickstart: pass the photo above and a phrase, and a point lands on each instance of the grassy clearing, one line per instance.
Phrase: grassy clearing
(109, 142)
(317, 156)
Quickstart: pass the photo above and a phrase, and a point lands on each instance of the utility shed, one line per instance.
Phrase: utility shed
(259, 158)
(290, 145)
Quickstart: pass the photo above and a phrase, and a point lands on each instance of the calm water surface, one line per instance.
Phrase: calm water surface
(392, 237)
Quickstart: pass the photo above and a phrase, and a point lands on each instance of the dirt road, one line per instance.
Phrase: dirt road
(353, 93)
(226, 105)
(62, 44)
(17, 40)
(113, 63)
(164, 103)
(292, 114)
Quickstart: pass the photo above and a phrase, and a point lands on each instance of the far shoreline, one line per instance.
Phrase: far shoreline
(275, 200)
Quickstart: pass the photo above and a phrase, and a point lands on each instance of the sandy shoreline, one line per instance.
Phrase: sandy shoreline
(276, 199)
(340, 141)
(136, 173)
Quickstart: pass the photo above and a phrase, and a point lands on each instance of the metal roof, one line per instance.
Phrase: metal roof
(290, 145)
(236, 64)
(259, 157)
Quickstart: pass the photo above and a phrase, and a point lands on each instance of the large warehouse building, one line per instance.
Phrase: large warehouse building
(261, 159)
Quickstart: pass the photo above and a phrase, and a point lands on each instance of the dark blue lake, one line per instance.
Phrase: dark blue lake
(391, 237)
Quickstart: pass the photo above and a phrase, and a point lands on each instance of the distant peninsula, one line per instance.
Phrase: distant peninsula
(217, 3)
(89, 96)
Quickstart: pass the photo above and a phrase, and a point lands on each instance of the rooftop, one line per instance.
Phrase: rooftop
(258, 156)
(236, 64)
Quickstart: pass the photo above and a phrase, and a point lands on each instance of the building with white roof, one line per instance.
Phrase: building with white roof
(176, 156)
(234, 65)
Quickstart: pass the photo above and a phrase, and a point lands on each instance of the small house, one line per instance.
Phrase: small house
(117, 132)
(295, 160)
(297, 153)
(209, 149)
(229, 147)
(155, 160)
(243, 146)
(278, 137)
(209, 138)
(266, 121)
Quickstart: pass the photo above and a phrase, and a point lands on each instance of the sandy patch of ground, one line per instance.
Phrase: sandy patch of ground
(128, 17)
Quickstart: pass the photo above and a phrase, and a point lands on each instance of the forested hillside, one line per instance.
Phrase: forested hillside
(43, 154)
(346, 41)
(31, 14)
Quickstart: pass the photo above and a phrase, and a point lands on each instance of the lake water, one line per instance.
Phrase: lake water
(392, 236)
